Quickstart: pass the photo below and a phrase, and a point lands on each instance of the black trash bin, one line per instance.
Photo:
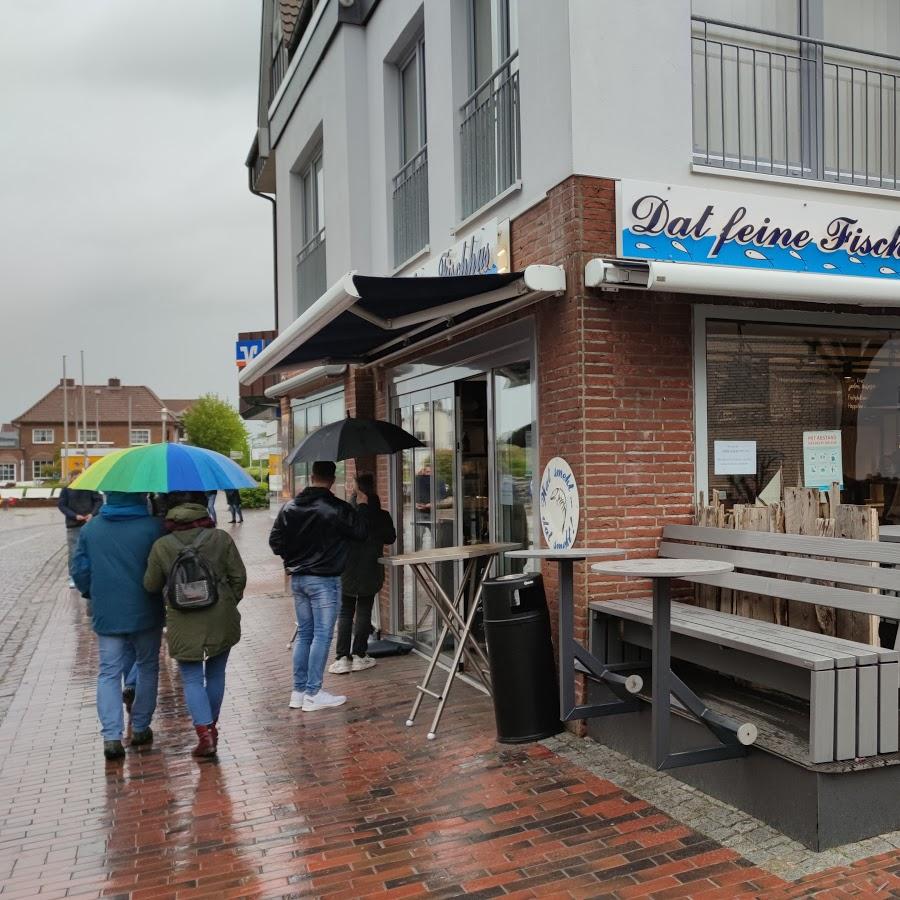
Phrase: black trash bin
(520, 652)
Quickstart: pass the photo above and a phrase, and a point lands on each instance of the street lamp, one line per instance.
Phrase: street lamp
(164, 413)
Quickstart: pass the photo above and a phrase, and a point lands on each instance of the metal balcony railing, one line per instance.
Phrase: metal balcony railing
(410, 186)
(311, 277)
(787, 104)
(490, 137)
(276, 74)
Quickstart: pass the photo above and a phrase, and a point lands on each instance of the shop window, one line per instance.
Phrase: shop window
(775, 390)
(140, 435)
(308, 416)
(42, 469)
(41, 435)
(7, 472)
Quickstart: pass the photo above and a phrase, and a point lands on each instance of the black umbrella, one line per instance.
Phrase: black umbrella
(351, 438)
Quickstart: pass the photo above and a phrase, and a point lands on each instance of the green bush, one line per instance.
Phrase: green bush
(254, 498)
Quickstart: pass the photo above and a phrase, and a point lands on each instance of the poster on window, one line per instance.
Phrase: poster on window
(823, 464)
(734, 457)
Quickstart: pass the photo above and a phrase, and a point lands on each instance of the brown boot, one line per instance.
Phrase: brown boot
(205, 744)
(215, 734)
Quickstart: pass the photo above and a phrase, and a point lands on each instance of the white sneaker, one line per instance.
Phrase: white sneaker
(71, 584)
(341, 666)
(322, 700)
(296, 699)
(362, 662)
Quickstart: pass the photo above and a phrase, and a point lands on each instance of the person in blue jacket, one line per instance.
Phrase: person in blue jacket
(108, 568)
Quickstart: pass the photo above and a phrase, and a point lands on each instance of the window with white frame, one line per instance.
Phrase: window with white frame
(7, 472)
(312, 186)
(140, 435)
(410, 184)
(494, 37)
(87, 435)
(41, 435)
(41, 469)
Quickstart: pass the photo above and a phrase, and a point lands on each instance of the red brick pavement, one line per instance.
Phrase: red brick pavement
(346, 803)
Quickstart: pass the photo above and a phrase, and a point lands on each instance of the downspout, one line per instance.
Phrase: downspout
(274, 203)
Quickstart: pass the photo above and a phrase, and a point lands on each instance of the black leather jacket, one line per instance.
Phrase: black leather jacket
(311, 533)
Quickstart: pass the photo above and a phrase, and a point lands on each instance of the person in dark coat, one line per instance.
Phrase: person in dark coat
(313, 534)
(200, 639)
(108, 568)
(233, 496)
(362, 580)
(79, 507)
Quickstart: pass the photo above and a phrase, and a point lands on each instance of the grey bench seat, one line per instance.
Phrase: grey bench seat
(852, 687)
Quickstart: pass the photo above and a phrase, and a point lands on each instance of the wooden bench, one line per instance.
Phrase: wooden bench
(852, 687)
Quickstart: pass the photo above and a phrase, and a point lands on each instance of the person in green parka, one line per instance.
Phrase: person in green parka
(200, 639)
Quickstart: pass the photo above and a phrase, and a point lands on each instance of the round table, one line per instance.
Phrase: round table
(661, 572)
(569, 648)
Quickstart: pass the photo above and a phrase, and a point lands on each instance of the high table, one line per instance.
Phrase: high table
(574, 656)
(733, 737)
(452, 614)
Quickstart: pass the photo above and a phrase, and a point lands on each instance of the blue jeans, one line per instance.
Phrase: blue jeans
(114, 650)
(316, 601)
(129, 667)
(204, 687)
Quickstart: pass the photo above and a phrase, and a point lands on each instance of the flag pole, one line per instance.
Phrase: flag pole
(84, 462)
(64, 455)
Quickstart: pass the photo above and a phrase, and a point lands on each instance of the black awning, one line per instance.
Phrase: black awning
(354, 338)
(363, 319)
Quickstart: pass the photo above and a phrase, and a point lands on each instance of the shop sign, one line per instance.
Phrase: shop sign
(822, 461)
(483, 252)
(687, 224)
(559, 505)
(247, 349)
(734, 457)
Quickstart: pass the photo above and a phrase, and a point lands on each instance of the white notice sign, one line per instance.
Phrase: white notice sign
(734, 457)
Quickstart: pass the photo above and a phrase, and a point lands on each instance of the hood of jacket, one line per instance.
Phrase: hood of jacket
(187, 512)
(120, 505)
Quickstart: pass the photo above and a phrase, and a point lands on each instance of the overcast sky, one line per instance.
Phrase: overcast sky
(126, 226)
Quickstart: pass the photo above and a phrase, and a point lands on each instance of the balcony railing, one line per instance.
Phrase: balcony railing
(786, 104)
(311, 277)
(411, 208)
(490, 137)
(276, 75)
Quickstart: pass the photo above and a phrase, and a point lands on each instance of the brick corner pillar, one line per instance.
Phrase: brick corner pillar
(359, 401)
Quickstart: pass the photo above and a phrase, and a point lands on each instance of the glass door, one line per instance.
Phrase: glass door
(426, 479)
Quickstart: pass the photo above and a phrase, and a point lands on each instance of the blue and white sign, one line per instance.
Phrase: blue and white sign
(684, 224)
(559, 505)
(247, 349)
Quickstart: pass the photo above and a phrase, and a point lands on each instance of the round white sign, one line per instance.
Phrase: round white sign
(559, 504)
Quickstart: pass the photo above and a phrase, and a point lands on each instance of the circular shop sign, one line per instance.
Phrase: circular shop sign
(559, 504)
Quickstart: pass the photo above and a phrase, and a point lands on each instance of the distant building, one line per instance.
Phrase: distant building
(118, 416)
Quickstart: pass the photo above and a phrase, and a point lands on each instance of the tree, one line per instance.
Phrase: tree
(215, 424)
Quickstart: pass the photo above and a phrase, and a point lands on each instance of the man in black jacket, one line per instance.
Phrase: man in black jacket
(311, 535)
(79, 507)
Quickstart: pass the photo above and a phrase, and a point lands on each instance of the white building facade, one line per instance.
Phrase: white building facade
(702, 197)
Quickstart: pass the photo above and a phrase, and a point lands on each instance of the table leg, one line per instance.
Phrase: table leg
(422, 689)
(661, 669)
(565, 636)
(463, 638)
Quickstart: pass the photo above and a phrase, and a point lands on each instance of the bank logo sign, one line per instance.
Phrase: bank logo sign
(247, 349)
(684, 224)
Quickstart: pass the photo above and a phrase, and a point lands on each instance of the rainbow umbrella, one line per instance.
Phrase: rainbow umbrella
(162, 468)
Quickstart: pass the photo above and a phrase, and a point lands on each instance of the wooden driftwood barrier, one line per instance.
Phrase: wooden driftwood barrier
(800, 511)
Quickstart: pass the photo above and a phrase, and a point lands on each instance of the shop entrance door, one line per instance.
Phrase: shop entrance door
(427, 501)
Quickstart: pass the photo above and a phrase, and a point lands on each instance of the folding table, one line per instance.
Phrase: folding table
(452, 614)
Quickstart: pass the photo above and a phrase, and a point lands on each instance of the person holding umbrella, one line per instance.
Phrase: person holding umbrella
(361, 581)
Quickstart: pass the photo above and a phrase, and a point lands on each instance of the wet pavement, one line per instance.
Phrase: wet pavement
(339, 803)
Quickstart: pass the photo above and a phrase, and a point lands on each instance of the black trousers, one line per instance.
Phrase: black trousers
(355, 616)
